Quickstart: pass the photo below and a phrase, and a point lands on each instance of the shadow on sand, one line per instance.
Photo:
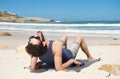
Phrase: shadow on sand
(71, 68)
(85, 64)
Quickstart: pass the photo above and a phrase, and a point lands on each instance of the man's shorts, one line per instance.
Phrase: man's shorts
(74, 48)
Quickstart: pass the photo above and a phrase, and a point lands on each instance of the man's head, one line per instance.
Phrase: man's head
(35, 46)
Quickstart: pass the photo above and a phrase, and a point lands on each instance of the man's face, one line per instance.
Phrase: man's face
(35, 40)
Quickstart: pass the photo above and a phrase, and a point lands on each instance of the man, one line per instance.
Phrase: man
(55, 53)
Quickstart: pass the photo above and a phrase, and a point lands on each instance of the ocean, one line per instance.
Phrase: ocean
(85, 28)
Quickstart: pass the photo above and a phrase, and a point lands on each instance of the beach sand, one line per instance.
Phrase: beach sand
(13, 61)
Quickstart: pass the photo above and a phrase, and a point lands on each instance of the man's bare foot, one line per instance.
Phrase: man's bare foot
(90, 58)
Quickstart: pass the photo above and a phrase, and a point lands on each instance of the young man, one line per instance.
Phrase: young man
(55, 53)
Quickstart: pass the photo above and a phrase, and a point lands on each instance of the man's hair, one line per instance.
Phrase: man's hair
(35, 50)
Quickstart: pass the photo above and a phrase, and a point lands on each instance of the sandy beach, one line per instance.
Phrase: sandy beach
(13, 59)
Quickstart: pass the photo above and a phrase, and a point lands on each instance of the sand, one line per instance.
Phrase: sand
(12, 62)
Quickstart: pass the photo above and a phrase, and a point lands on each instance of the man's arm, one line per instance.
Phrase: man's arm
(57, 50)
(33, 63)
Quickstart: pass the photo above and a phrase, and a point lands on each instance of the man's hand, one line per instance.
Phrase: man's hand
(39, 64)
(77, 63)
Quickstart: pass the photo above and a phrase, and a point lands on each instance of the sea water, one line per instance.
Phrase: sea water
(86, 28)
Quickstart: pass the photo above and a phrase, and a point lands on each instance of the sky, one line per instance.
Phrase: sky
(75, 10)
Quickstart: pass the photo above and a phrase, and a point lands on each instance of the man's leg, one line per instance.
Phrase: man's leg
(63, 40)
(84, 47)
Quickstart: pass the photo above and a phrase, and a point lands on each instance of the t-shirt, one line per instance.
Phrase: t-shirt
(48, 57)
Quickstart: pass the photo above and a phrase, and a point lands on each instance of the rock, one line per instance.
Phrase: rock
(21, 49)
(3, 46)
(12, 17)
(111, 68)
(5, 34)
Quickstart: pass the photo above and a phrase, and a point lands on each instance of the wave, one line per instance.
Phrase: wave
(71, 29)
(96, 33)
(67, 30)
(62, 25)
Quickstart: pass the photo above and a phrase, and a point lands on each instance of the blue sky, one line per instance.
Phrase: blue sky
(80, 10)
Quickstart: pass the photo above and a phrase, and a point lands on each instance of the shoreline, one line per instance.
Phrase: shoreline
(21, 37)
(71, 29)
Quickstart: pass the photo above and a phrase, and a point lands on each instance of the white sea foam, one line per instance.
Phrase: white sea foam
(52, 24)
(72, 29)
